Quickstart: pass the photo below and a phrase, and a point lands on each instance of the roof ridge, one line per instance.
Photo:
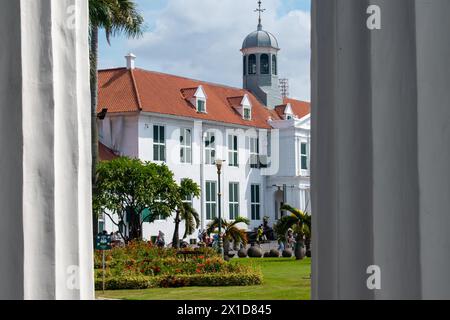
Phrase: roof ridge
(192, 79)
(136, 91)
(112, 69)
(298, 100)
(235, 97)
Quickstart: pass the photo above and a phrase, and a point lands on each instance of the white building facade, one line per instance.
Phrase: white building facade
(189, 124)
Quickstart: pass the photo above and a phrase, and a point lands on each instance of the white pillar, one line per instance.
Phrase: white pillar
(381, 149)
(45, 193)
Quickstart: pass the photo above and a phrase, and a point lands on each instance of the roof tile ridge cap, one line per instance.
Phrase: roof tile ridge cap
(112, 69)
(200, 82)
(235, 97)
(136, 91)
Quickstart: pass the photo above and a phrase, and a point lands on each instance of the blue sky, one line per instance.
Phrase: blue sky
(201, 39)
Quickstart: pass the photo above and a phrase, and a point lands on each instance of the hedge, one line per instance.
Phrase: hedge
(198, 280)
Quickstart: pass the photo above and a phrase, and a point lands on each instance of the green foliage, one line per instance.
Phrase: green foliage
(298, 221)
(126, 282)
(130, 185)
(185, 212)
(116, 17)
(141, 265)
(246, 278)
(284, 279)
(231, 230)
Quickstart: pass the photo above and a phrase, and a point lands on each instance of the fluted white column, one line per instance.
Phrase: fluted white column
(381, 150)
(45, 193)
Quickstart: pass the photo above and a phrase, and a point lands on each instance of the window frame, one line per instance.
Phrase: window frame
(233, 150)
(264, 65)
(210, 152)
(244, 115)
(254, 152)
(211, 200)
(252, 67)
(158, 144)
(185, 148)
(203, 103)
(274, 65)
(255, 202)
(304, 156)
(233, 200)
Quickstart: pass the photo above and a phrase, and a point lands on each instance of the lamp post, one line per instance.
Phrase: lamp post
(219, 164)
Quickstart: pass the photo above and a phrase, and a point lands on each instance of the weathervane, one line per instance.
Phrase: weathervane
(259, 10)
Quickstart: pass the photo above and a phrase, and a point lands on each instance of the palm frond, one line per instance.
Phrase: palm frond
(298, 213)
(239, 220)
(191, 218)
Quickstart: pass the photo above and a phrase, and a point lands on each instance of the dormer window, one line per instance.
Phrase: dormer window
(200, 100)
(246, 108)
(288, 113)
(201, 106)
(247, 113)
(196, 97)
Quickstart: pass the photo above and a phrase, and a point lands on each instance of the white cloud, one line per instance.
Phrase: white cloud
(201, 39)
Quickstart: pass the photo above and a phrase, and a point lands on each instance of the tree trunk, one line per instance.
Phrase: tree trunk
(94, 129)
(226, 246)
(135, 226)
(176, 236)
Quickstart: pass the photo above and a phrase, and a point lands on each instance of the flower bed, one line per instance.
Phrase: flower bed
(141, 265)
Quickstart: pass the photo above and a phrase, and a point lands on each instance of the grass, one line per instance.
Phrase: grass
(284, 279)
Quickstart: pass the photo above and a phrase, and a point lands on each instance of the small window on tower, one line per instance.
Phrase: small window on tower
(265, 64)
(245, 64)
(252, 64)
(274, 65)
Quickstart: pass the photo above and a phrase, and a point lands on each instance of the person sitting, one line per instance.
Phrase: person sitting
(160, 241)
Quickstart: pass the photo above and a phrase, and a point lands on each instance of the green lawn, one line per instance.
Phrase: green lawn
(284, 279)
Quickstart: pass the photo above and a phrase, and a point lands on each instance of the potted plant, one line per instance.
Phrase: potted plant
(298, 224)
(231, 232)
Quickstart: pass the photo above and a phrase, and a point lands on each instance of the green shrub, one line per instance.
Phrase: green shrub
(248, 278)
(127, 282)
(251, 278)
(141, 265)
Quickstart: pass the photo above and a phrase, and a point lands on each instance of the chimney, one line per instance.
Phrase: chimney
(131, 59)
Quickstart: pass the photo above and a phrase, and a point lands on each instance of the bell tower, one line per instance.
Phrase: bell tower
(260, 64)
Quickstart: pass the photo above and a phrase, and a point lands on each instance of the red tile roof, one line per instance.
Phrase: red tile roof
(122, 90)
(105, 153)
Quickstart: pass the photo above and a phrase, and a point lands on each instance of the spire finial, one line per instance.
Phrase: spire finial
(259, 10)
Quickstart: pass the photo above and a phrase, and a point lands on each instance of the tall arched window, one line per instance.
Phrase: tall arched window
(274, 65)
(252, 64)
(265, 64)
(245, 64)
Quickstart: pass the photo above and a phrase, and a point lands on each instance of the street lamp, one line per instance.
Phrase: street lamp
(219, 164)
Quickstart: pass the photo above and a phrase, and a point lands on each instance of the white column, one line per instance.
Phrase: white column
(381, 150)
(45, 192)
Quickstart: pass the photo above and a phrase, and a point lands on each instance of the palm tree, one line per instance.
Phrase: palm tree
(115, 17)
(299, 221)
(231, 232)
(185, 212)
